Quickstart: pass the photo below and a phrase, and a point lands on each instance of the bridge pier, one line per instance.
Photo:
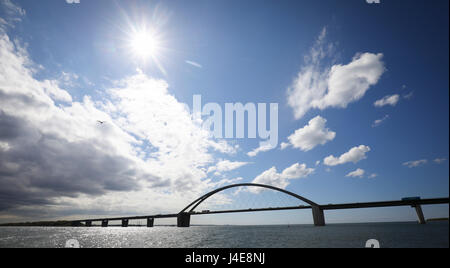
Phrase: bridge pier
(125, 223)
(104, 223)
(184, 219)
(150, 222)
(88, 223)
(420, 214)
(318, 216)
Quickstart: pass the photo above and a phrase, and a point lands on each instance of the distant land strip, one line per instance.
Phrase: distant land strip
(438, 219)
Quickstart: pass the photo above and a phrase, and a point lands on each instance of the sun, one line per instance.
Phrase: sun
(145, 44)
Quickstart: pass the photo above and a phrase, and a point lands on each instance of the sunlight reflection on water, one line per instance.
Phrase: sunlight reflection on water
(299, 236)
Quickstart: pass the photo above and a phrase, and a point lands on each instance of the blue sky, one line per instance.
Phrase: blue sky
(228, 52)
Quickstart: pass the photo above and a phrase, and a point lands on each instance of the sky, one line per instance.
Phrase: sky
(97, 115)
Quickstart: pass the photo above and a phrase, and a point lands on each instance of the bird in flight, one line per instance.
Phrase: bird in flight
(101, 122)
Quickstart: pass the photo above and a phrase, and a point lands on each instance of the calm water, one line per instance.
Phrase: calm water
(390, 235)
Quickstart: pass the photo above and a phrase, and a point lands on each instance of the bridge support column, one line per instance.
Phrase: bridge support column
(88, 223)
(104, 223)
(184, 220)
(318, 216)
(150, 222)
(125, 223)
(420, 214)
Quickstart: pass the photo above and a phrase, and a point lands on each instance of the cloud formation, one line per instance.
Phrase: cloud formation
(193, 63)
(337, 86)
(226, 165)
(356, 173)
(354, 155)
(12, 10)
(378, 122)
(440, 160)
(415, 163)
(53, 150)
(311, 135)
(281, 180)
(391, 100)
(262, 148)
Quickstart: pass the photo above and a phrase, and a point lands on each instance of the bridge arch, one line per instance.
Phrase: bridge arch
(190, 208)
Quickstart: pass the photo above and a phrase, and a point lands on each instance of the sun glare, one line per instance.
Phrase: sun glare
(144, 44)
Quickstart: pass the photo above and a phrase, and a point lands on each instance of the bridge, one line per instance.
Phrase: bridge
(184, 216)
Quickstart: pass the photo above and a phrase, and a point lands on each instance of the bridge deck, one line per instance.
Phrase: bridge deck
(396, 203)
(158, 216)
(431, 201)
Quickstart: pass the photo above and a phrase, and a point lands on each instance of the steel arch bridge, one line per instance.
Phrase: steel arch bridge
(184, 215)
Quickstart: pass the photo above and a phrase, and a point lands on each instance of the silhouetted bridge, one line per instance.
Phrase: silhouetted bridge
(184, 216)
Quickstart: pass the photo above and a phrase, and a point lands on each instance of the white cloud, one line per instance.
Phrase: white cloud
(416, 163)
(262, 148)
(387, 100)
(317, 162)
(373, 175)
(226, 165)
(11, 14)
(284, 145)
(440, 160)
(3, 23)
(57, 151)
(193, 63)
(12, 9)
(179, 147)
(354, 155)
(349, 83)
(378, 122)
(58, 154)
(281, 180)
(357, 173)
(68, 79)
(55, 92)
(4, 146)
(296, 171)
(311, 135)
(337, 86)
(271, 177)
(227, 182)
(409, 95)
